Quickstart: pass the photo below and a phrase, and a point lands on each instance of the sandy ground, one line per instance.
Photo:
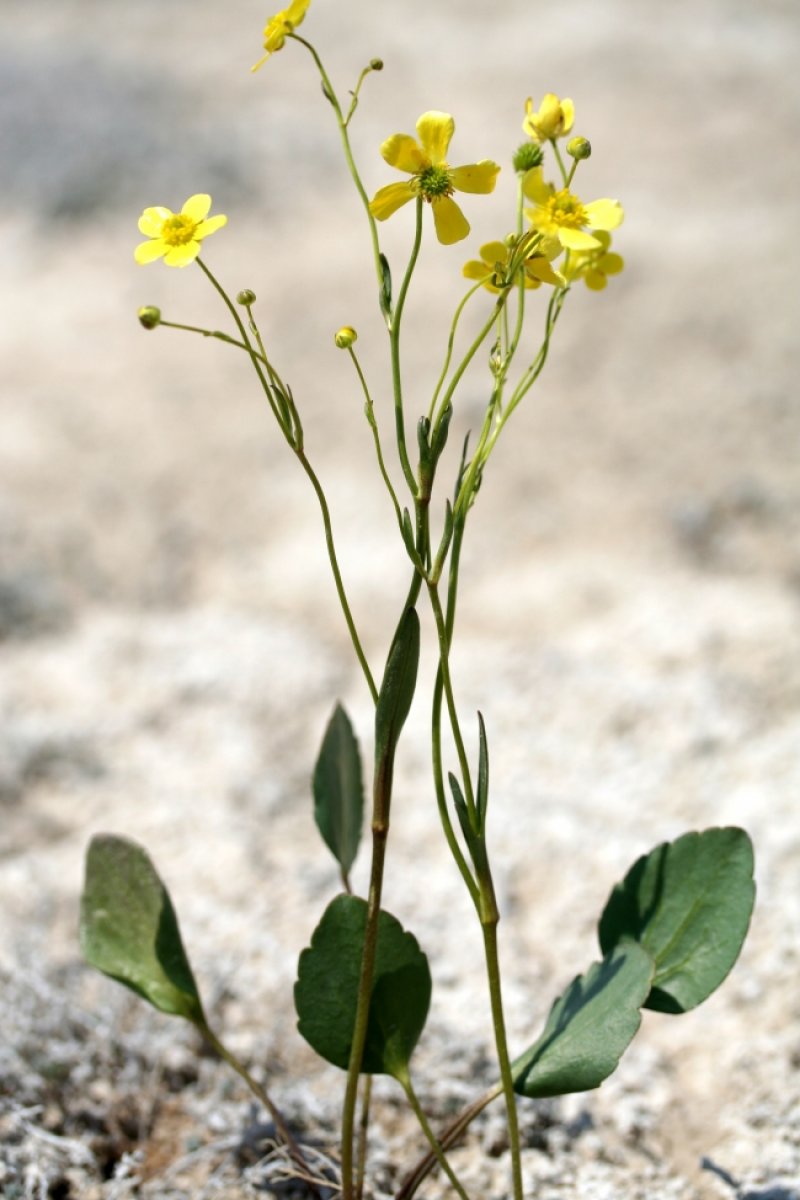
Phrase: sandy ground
(169, 638)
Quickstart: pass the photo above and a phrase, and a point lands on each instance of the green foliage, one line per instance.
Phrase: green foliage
(339, 790)
(396, 694)
(129, 930)
(688, 903)
(326, 992)
(589, 1027)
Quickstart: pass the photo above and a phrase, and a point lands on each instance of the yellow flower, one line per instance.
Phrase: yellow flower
(432, 177)
(593, 266)
(277, 27)
(562, 214)
(495, 261)
(176, 237)
(553, 119)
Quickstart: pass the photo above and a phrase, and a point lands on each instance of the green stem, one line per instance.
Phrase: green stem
(363, 1132)
(394, 338)
(450, 1136)
(467, 359)
(263, 1097)
(489, 927)
(337, 575)
(560, 161)
(369, 409)
(447, 683)
(405, 1082)
(451, 340)
(348, 151)
(254, 356)
(380, 832)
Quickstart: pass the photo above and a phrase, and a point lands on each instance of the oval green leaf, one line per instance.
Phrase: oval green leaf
(326, 991)
(339, 790)
(589, 1027)
(689, 904)
(129, 930)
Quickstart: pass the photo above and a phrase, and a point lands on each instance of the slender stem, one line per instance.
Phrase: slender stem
(254, 357)
(560, 161)
(337, 575)
(363, 1133)
(380, 830)
(468, 357)
(533, 372)
(444, 665)
(348, 151)
(263, 1097)
(451, 341)
(369, 409)
(451, 1135)
(394, 338)
(405, 1082)
(489, 928)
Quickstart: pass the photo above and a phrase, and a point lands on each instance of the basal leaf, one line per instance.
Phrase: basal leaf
(689, 904)
(589, 1027)
(327, 988)
(129, 930)
(339, 790)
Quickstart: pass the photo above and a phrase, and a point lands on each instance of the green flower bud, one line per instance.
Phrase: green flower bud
(578, 148)
(529, 155)
(149, 316)
(345, 337)
(246, 298)
(376, 64)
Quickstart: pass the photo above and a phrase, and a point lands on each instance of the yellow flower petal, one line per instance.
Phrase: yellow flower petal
(451, 224)
(388, 199)
(612, 264)
(147, 252)
(534, 186)
(152, 219)
(595, 280)
(402, 151)
(576, 239)
(181, 256)
(435, 130)
(297, 11)
(210, 226)
(494, 252)
(475, 270)
(539, 268)
(478, 177)
(197, 207)
(604, 214)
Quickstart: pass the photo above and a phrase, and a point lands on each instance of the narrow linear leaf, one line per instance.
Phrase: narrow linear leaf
(689, 904)
(326, 991)
(339, 790)
(129, 930)
(483, 774)
(589, 1027)
(397, 689)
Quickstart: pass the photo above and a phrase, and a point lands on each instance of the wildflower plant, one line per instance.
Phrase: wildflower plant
(674, 925)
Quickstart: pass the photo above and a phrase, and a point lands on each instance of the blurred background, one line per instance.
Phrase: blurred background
(170, 645)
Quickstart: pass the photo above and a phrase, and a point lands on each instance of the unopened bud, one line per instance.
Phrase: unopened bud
(149, 316)
(345, 337)
(528, 156)
(376, 64)
(578, 148)
(246, 298)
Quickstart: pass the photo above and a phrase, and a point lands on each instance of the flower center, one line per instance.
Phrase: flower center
(178, 230)
(566, 210)
(434, 181)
